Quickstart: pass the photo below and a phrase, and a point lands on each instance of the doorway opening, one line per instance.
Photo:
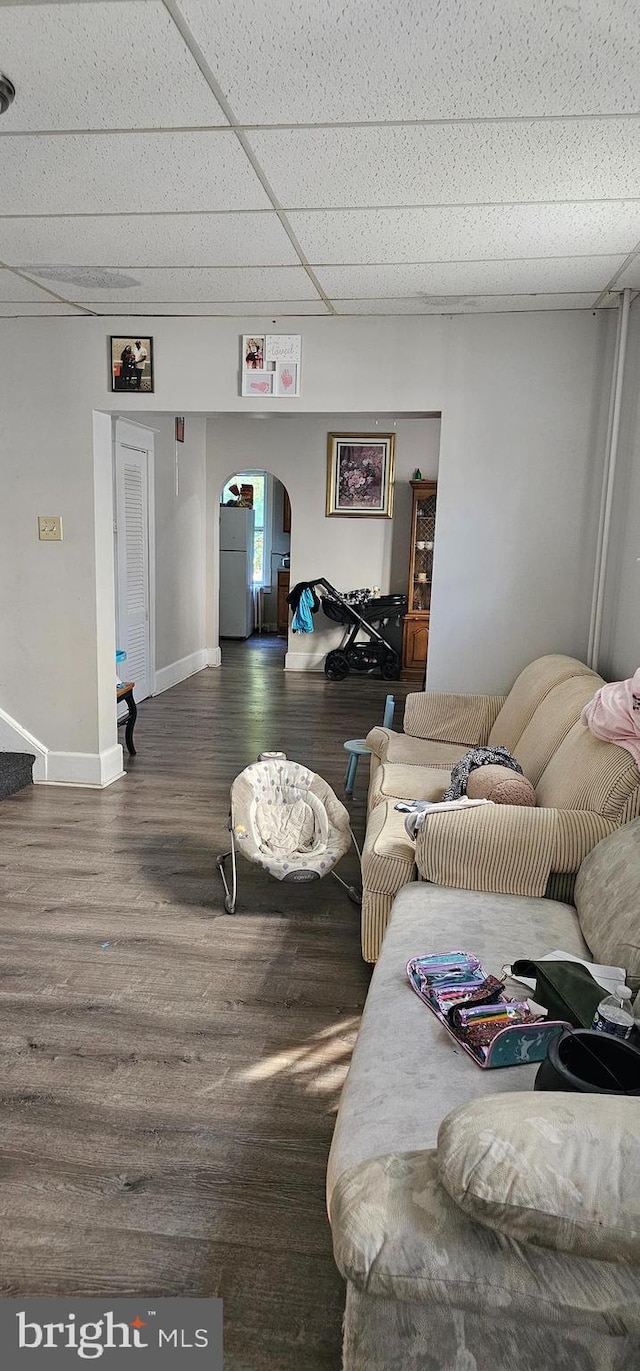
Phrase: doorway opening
(255, 549)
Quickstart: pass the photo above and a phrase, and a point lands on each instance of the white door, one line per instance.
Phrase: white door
(132, 566)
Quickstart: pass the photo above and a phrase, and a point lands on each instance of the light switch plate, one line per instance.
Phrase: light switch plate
(50, 528)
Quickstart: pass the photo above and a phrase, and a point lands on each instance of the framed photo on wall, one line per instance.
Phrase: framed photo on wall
(270, 364)
(131, 364)
(360, 475)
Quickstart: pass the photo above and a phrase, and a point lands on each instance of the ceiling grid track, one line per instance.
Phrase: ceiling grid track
(185, 33)
(304, 161)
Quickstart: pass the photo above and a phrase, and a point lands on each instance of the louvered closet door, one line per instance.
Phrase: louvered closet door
(132, 541)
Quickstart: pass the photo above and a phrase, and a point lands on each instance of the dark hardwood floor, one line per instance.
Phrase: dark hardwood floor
(170, 1074)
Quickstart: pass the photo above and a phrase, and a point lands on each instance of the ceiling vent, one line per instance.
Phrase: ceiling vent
(7, 93)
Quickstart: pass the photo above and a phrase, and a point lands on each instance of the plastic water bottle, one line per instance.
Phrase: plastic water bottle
(614, 1015)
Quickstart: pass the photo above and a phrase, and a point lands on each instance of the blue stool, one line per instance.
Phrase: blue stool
(357, 747)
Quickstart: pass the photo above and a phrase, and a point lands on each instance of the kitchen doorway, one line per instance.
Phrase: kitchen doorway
(255, 543)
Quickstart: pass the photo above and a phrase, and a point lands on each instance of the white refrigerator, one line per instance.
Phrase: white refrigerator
(236, 572)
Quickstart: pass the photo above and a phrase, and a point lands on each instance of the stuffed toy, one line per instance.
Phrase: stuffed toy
(500, 784)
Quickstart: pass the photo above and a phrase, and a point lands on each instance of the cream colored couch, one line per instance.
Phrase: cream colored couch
(479, 1226)
(585, 790)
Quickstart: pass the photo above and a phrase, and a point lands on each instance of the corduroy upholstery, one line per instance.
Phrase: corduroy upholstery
(511, 849)
(585, 788)
(452, 718)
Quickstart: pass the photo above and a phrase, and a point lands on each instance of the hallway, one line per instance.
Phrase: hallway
(170, 1074)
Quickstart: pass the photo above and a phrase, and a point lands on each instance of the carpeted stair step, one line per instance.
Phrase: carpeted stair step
(16, 771)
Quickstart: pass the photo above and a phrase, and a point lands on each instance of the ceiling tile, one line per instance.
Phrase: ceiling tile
(452, 163)
(121, 173)
(94, 66)
(473, 304)
(200, 283)
(246, 309)
(14, 287)
(307, 63)
(19, 311)
(458, 232)
(563, 274)
(162, 240)
(630, 276)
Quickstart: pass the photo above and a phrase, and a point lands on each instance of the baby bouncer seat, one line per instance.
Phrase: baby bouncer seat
(286, 819)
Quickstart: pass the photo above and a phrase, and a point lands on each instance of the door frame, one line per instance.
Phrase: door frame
(129, 434)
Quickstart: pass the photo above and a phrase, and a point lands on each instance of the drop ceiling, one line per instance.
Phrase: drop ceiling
(292, 157)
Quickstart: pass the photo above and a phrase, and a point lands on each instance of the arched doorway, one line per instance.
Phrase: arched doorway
(255, 544)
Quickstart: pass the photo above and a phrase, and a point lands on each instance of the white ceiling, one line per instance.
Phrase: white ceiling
(283, 157)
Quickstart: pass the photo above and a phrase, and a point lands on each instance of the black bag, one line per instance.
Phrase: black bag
(566, 989)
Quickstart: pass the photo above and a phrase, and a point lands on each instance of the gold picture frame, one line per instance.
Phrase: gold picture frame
(360, 475)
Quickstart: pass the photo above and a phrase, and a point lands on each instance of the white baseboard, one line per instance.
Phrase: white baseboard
(93, 769)
(176, 672)
(214, 656)
(304, 661)
(96, 769)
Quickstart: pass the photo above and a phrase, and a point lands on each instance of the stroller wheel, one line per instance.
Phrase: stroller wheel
(354, 895)
(230, 905)
(336, 666)
(390, 668)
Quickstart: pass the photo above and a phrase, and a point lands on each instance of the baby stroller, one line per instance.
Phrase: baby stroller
(371, 615)
(287, 820)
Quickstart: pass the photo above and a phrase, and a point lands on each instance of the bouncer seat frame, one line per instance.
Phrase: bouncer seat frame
(271, 800)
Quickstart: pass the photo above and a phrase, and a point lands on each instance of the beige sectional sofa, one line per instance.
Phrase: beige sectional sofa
(480, 1226)
(585, 789)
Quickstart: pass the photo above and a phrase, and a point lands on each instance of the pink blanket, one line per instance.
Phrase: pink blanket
(614, 714)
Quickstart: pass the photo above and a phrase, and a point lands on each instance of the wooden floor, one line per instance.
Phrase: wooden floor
(170, 1074)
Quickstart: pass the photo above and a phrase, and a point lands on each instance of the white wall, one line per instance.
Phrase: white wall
(621, 637)
(348, 552)
(519, 480)
(180, 513)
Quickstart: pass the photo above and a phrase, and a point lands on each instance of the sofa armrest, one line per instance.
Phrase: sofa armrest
(378, 740)
(506, 849)
(451, 718)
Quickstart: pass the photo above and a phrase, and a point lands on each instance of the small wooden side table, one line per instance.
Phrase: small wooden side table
(125, 692)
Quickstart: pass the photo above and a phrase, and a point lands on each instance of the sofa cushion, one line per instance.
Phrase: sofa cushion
(559, 1170)
(551, 722)
(407, 1073)
(530, 689)
(401, 782)
(585, 773)
(607, 896)
(398, 1235)
(403, 748)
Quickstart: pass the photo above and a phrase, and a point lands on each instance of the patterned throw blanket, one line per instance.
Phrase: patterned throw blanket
(477, 756)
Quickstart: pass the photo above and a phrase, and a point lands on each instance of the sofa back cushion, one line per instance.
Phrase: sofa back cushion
(528, 692)
(607, 898)
(551, 722)
(586, 773)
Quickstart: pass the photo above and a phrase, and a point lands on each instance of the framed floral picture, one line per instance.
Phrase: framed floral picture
(360, 475)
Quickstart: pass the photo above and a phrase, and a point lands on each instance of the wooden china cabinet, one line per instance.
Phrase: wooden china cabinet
(415, 641)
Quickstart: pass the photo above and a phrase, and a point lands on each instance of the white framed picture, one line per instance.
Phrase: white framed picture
(270, 365)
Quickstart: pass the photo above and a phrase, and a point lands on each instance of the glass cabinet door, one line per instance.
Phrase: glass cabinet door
(424, 533)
